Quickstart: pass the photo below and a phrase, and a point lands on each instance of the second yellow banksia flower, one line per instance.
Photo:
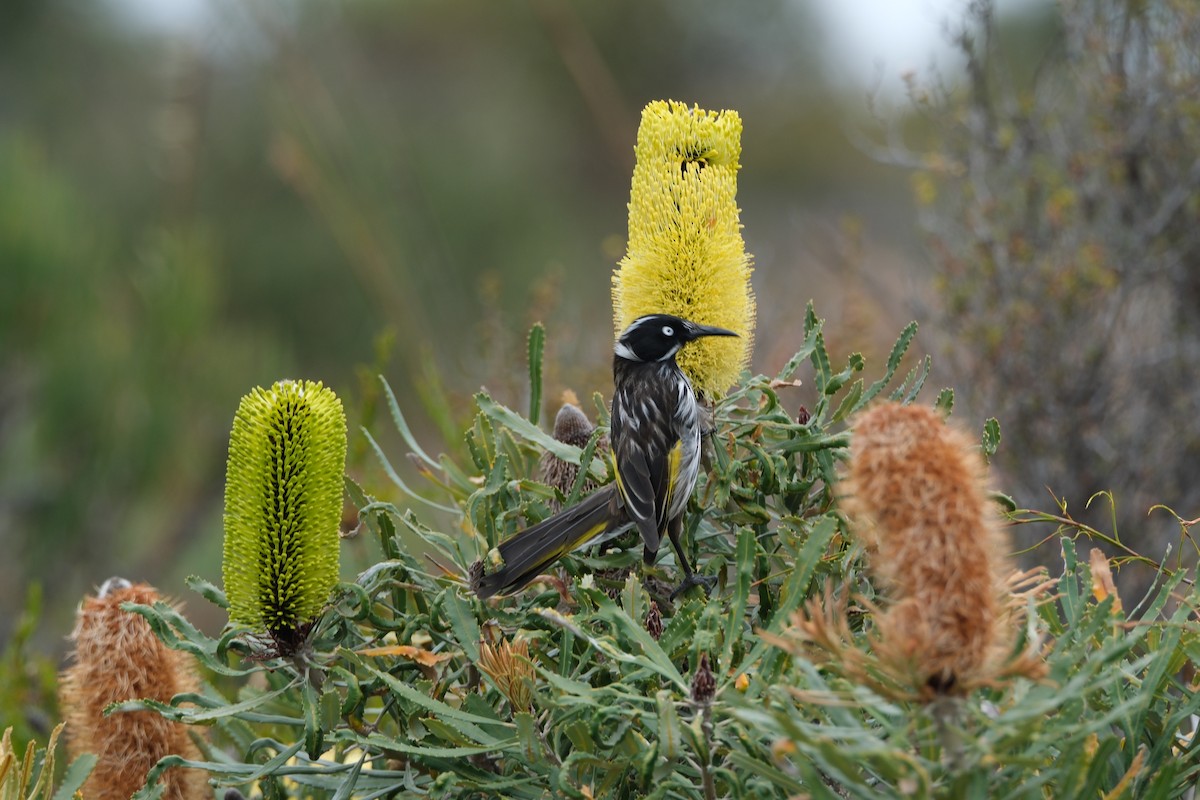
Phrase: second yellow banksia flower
(685, 253)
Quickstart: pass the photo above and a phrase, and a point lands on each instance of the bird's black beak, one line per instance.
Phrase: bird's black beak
(695, 331)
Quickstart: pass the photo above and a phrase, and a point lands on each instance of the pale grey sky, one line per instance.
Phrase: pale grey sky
(866, 42)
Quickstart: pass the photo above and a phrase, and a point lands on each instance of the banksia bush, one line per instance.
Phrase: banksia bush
(283, 504)
(916, 494)
(118, 658)
(685, 253)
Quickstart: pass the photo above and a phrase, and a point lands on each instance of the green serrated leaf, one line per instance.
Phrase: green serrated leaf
(76, 773)
(208, 591)
(527, 735)
(469, 724)
(850, 403)
(893, 362)
(991, 437)
(669, 732)
(462, 622)
(945, 401)
(530, 432)
(314, 737)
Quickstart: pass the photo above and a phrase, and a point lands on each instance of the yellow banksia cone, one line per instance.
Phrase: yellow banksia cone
(117, 658)
(916, 494)
(685, 254)
(283, 506)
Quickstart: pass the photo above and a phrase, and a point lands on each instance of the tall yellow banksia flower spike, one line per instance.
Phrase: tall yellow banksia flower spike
(685, 255)
(283, 505)
(916, 494)
(117, 657)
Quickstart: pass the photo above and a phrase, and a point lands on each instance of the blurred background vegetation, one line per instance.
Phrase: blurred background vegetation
(335, 190)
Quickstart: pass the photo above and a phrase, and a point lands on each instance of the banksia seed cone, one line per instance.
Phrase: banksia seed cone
(704, 683)
(283, 504)
(573, 427)
(685, 254)
(117, 658)
(654, 621)
(916, 494)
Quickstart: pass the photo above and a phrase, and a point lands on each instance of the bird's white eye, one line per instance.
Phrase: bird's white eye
(668, 330)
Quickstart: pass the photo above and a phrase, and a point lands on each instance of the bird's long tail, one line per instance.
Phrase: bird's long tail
(528, 553)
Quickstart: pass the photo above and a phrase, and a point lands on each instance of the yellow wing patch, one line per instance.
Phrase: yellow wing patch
(673, 460)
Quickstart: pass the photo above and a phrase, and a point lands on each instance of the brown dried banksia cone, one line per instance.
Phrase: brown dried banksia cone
(916, 494)
(117, 658)
(704, 683)
(654, 621)
(571, 426)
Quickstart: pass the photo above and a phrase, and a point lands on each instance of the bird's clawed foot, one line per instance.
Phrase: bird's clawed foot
(695, 579)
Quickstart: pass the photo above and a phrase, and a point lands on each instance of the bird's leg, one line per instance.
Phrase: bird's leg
(690, 577)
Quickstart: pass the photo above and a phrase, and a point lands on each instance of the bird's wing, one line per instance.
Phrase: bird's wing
(645, 490)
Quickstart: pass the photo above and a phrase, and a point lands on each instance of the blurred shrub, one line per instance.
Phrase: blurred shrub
(113, 374)
(1061, 207)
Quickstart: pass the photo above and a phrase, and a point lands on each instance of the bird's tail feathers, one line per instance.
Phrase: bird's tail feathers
(526, 554)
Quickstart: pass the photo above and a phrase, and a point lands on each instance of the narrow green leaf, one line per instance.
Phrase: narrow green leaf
(346, 790)
(531, 747)
(532, 433)
(77, 772)
(465, 722)
(769, 771)
(376, 740)
(669, 733)
(314, 737)
(850, 403)
(746, 550)
(893, 362)
(537, 346)
(195, 716)
(921, 373)
(462, 623)
(390, 471)
(653, 657)
(402, 425)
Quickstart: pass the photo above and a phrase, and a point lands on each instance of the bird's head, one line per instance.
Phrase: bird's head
(658, 337)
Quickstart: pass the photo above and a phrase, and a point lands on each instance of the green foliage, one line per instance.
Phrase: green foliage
(31, 776)
(415, 688)
(27, 679)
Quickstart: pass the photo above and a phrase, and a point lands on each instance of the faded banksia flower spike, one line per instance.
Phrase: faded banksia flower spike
(283, 505)
(573, 427)
(117, 657)
(916, 494)
(685, 254)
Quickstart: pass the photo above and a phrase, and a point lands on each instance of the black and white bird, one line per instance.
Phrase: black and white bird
(655, 450)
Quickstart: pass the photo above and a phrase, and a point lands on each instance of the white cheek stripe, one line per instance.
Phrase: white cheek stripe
(624, 352)
(670, 352)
